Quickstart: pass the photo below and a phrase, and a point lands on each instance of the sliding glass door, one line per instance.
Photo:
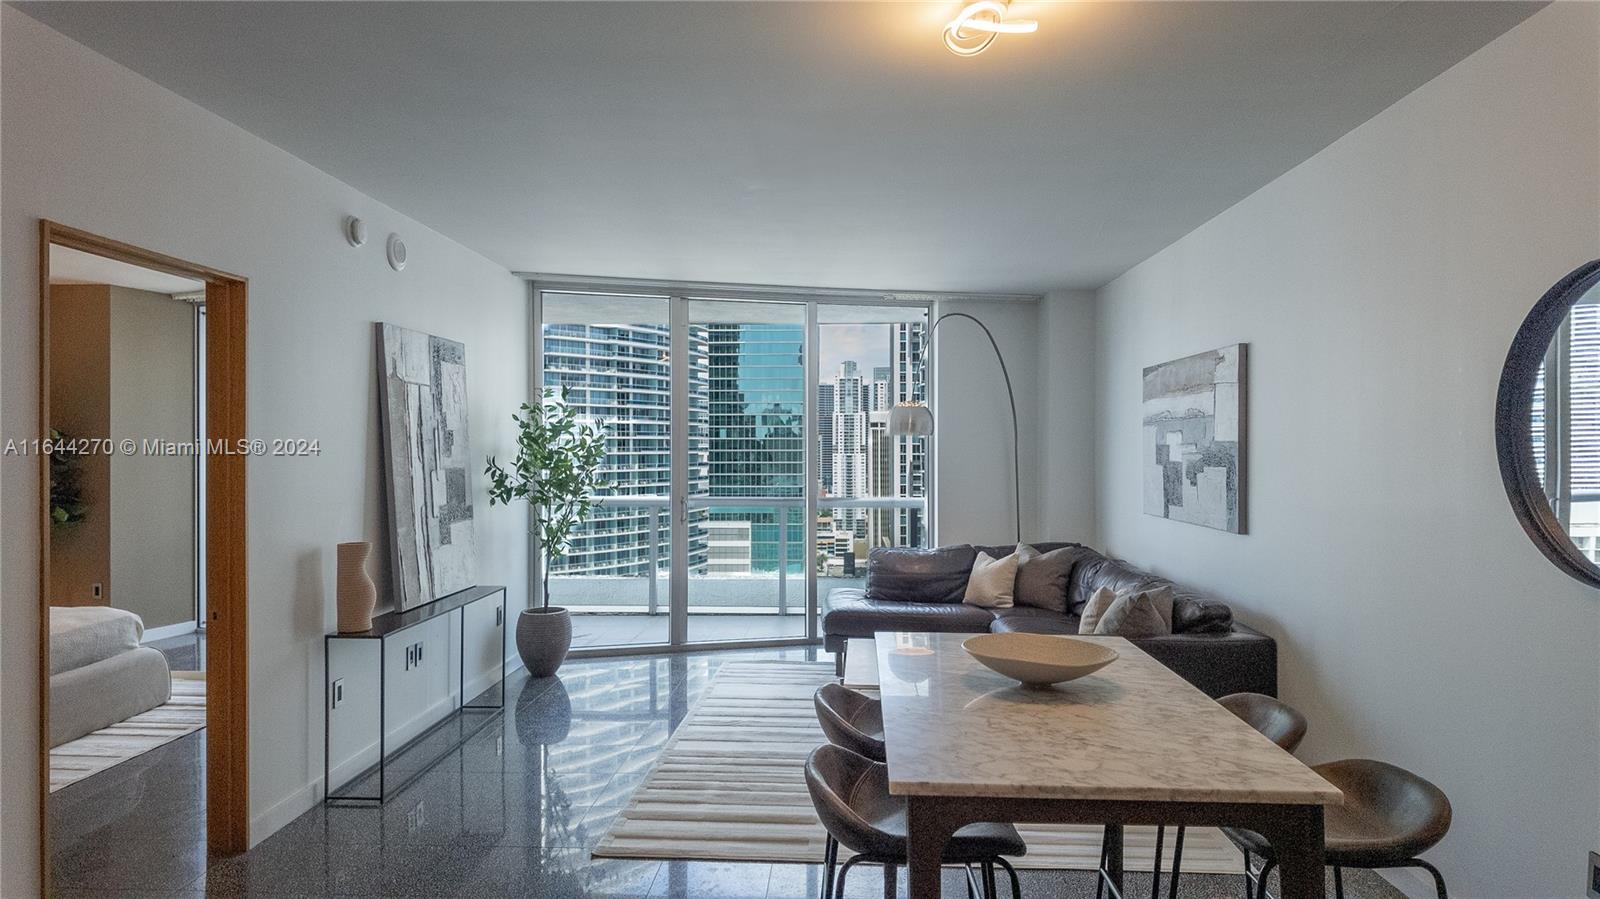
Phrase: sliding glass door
(750, 469)
(609, 356)
(747, 470)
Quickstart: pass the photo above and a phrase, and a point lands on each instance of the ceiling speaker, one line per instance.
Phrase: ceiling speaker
(397, 253)
(355, 231)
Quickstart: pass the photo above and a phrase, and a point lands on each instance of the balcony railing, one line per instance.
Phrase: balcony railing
(728, 593)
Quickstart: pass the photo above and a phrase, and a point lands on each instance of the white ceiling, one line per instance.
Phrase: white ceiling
(825, 144)
(69, 266)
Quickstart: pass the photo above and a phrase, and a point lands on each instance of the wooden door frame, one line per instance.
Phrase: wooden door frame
(227, 671)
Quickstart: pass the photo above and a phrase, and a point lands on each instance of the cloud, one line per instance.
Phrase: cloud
(865, 345)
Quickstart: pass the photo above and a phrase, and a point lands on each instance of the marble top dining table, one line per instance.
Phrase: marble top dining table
(1133, 730)
(1131, 743)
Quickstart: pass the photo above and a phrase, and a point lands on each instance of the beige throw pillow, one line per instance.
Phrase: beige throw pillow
(1094, 608)
(1132, 616)
(1128, 621)
(992, 581)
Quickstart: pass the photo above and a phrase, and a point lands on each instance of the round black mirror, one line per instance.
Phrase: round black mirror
(1547, 424)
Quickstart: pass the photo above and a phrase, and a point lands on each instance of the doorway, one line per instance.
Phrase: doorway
(142, 561)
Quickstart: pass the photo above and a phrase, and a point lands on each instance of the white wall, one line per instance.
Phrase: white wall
(152, 496)
(1066, 413)
(1378, 285)
(973, 459)
(90, 144)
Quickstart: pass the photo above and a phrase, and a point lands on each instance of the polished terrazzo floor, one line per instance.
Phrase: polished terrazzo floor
(514, 812)
(185, 653)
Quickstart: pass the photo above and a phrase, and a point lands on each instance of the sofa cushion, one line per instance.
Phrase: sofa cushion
(1006, 549)
(1030, 620)
(1104, 601)
(993, 582)
(851, 614)
(896, 574)
(1098, 571)
(1192, 611)
(1045, 577)
(1098, 605)
(1136, 615)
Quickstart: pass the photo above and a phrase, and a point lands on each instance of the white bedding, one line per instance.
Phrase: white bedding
(100, 694)
(83, 635)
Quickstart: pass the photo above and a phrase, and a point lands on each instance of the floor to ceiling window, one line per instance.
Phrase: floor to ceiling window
(873, 484)
(749, 458)
(747, 432)
(609, 357)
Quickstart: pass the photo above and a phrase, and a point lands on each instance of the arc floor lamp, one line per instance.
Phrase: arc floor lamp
(910, 418)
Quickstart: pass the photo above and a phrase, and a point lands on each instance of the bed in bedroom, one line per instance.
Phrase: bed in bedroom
(99, 674)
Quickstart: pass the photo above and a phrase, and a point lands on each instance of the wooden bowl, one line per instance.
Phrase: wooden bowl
(1039, 660)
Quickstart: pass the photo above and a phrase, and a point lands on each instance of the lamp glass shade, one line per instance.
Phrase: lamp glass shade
(910, 420)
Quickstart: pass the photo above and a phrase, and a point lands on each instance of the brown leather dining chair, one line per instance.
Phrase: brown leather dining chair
(1273, 719)
(851, 719)
(1388, 818)
(851, 795)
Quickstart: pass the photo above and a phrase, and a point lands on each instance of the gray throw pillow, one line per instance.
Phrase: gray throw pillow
(1098, 609)
(1042, 578)
(1132, 616)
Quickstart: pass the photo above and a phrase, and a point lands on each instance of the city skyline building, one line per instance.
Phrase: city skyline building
(746, 440)
(756, 435)
(849, 445)
(908, 383)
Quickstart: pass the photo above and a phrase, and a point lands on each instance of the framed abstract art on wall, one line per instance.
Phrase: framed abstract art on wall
(423, 407)
(1194, 439)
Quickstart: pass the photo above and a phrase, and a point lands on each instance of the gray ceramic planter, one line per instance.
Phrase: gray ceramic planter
(543, 638)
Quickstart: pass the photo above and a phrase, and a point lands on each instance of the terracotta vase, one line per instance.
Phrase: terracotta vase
(355, 595)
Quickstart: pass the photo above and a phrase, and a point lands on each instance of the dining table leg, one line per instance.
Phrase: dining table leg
(929, 825)
(1114, 862)
(1297, 840)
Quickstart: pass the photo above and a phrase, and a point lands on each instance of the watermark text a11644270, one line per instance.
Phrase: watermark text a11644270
(154, 446)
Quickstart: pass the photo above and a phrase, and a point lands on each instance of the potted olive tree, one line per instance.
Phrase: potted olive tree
(556, 471)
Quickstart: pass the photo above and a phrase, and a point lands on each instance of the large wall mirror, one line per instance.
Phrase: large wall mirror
(1547, 424)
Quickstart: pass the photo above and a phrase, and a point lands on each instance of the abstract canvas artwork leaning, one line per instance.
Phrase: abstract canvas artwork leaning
(423, 405)
(1194, 439)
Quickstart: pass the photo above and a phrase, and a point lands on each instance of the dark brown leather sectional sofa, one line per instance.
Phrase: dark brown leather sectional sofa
(921, 591)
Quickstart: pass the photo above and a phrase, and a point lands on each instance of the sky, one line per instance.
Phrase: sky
(866, 345)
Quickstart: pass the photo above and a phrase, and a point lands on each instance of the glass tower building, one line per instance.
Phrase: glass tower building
(756, 436)
(745, 440)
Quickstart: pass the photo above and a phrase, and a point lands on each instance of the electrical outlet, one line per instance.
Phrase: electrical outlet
(1594, 875)
(97, 591)
(336, 694)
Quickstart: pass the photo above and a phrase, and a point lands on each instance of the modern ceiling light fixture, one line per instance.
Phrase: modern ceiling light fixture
(978, 24)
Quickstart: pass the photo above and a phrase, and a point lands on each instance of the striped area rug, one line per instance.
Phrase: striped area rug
(179, 716)
(730, 786)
